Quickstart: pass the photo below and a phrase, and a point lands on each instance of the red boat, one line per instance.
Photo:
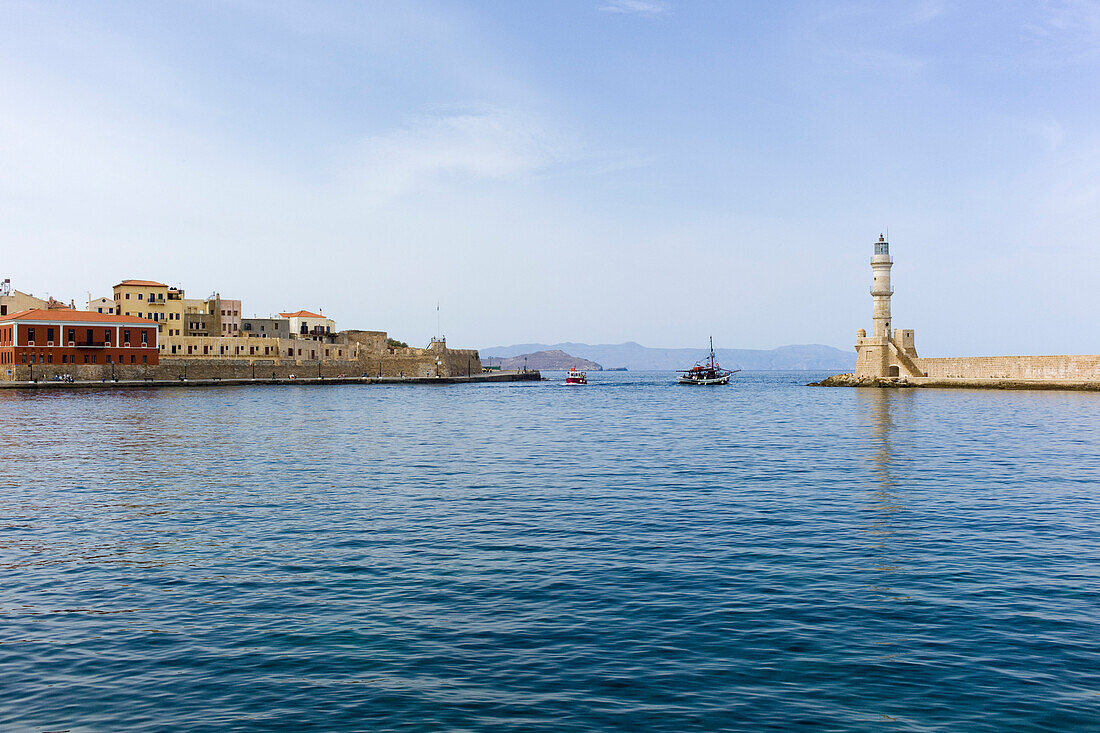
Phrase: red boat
(576, 377)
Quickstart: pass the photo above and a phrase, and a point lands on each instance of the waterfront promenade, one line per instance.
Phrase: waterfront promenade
(488, 377)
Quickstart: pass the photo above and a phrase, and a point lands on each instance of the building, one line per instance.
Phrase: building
(41, 336)
(151, 300)
(228, 313)
(304, 324)
(101, 305)
(13, 301)
(265, 328)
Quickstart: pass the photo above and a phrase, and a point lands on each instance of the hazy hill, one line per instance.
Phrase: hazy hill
(545, 360)
(636, 357)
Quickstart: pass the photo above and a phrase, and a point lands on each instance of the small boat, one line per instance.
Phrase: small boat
(707, 371)
(576, 377)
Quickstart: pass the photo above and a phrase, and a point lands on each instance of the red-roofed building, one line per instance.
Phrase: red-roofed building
(41, 336)
(306, 323)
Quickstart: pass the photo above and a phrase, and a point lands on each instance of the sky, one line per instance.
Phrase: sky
(571, 170)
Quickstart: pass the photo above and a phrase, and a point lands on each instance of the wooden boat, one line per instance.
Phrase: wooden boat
(706, 371)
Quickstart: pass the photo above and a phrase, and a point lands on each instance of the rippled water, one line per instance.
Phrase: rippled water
(631, 555)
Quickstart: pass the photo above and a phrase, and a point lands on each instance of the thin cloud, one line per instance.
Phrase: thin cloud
(637, 7)
(485, 145)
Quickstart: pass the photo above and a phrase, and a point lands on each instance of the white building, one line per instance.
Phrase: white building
(102, 305)
(304, 324)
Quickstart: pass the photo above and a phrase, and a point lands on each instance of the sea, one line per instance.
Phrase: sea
(631, 555)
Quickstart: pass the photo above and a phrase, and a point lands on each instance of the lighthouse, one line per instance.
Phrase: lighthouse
(884, 353)
(880, 288)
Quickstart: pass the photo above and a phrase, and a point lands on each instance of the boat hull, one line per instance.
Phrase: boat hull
(704, 382)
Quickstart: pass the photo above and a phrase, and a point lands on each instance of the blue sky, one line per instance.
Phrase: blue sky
(599, 171)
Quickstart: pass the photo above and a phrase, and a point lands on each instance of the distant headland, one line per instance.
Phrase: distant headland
(635, 357)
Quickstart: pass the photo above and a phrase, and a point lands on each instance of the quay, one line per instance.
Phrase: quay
(498, 376)
(853, 380)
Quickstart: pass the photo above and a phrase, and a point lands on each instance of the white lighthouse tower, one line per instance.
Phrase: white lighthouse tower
(880, 288)
(884, 353)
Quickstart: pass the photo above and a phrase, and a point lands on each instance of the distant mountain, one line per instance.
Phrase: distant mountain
(634, 356)
(543, 361)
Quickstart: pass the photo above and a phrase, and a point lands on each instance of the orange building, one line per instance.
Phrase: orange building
(64, 336)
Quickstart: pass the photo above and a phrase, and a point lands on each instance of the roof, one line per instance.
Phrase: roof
(67, 315)
(142, 283)
(302, 314)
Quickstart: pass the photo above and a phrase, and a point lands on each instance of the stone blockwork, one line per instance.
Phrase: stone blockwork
(1012, 367)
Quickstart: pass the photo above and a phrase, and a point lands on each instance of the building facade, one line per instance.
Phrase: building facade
(265, 328)
(101, 305)
(42, 336)
(304, 324)
(13, 301)
(153, 301)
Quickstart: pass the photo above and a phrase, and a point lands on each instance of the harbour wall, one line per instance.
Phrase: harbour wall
(509, 376)
(405, 363)
(1072, 368)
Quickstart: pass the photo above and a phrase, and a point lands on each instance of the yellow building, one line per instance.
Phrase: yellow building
(155, 301)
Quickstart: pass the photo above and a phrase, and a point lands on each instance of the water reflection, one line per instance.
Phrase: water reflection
(884, 412)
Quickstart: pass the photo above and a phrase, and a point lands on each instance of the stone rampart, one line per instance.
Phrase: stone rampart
(1084, 367)
(412, 363)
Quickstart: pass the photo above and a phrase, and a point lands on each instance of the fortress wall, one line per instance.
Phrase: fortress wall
(1012, 367)
(371, 342)
(420, 363)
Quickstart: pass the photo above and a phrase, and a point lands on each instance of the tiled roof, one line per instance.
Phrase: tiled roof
(142, 284)
(301, 314)
(66, 315)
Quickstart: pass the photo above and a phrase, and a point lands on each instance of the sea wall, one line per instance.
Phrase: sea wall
(411, 363)
(1085, 367)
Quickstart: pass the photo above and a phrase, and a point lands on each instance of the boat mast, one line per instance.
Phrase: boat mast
(711, 352)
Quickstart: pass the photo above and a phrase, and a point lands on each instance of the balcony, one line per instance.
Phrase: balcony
(93, 344)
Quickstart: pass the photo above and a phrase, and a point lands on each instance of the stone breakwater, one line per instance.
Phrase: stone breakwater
(851, 380)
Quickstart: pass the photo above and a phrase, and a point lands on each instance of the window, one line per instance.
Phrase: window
(108, 358)
(72, 334)
(93, 358)
(30, 335)
(144, 359)
(127, 298)
(131, 358)
(49, 334)
(85, 358)
(139, 296)
(144, 338)
(88, 335)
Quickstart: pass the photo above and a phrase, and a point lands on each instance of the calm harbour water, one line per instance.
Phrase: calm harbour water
(631, 555)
